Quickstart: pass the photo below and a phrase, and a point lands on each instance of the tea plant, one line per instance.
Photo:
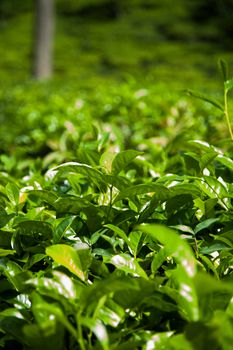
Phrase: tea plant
(227, 86)
(105, 247)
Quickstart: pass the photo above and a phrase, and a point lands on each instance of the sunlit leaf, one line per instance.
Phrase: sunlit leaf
(70, 258)
(111, 313)
(228, 85)
(174, 245)
(99, 330)
(122, 159)
(59, 285)
(95, 176)
(127, 264)
(12, 192)
(106, 160)
(207, 159)
(5, 252)
(48, 314)
(213, 188)
(228, 162)
(15, 274)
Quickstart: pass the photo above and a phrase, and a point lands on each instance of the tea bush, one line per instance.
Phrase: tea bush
(116, 219)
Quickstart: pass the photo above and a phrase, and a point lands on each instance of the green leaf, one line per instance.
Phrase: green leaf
(158, 259)
(160, 302)
(43, 196)
(11, 312)
(122, 159)
(47, 315)
(205, 98)
(94, 175)
(119, 182)
(209, 264)
(60, 285)
(13, 327)
(106, 160)
(174, 245)
(98, 329)
(228, 162)
(213, 188)
(5, 252)
(183, 228)
(223, 67)
(34, 227)
(110, 313)
(228, 85)
(119, 232)
(62, 225)
(44, 319)
(136, 241)
(127, 264)
(133, 298)
(15, 275)
(207, 159)
(72, 259)
(10, 266)
(141, 189)
(5, 218)
(205, 224)
(183, 292)
(12, 192)
(35, 258)
(71, 205)
(207, 284)
(6, 239)
(185, 189)
(112, 284)
(37, 339)
(201, 336)
(213, 248)
(203, 145)
(177, 342)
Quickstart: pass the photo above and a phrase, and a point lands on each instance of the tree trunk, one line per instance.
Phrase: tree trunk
(44, 28)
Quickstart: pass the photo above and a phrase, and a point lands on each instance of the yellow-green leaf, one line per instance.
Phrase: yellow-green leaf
(68, 257)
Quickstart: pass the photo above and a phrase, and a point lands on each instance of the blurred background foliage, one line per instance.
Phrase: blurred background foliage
(111, 37)
(121, 63)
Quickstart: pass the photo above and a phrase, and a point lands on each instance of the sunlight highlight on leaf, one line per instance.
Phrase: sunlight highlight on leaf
(127, 264)
(69, 258)
(174, 244)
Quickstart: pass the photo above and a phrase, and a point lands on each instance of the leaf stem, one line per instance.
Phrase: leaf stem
(227, 114)
(110, 201)
(80, 333)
